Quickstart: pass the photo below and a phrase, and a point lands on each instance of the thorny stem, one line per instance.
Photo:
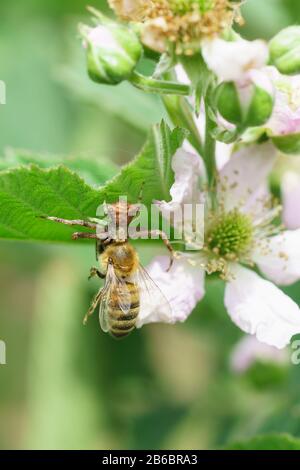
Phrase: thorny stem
(149, 84)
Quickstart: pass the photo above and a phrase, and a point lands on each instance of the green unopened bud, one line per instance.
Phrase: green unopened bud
(113, 51)
(246, 105)
(285, 50)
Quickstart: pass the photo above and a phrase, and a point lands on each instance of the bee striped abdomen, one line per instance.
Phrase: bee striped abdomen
(122, 323)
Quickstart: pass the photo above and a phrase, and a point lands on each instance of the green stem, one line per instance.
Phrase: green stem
(152, 85)
(181, 115)
(209, 154)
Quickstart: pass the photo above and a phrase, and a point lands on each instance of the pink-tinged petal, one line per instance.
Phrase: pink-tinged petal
(278, 257)
(291, 200)
(248, 351)
(285, 119)
(232, 60)
(183, 287)
(259, 308)
(244, 176)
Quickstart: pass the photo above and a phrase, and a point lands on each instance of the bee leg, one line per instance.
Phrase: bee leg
(81, 223)
(95, 272)
(163, 236)
(78, 235)
(93, 306)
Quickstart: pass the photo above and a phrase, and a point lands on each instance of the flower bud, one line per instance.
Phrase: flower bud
(285, 50)
(284, 125)
(246, 104)
(113, 51)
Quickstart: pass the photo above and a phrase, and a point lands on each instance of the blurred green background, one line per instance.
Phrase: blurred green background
(65, 386)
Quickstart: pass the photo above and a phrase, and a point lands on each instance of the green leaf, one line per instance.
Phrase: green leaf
(151, 168)
(268, 442)
(30, 191)
(181, 114)
(93, 171)
(27, 192)
(199, 75)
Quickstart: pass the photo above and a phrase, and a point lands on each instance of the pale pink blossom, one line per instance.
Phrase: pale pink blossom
(249, 350)
(241, 62)
(253, 303)
(290, 188)
(233, 60)
(285, 119)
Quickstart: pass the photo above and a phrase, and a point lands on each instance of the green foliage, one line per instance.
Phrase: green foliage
(165, 386)
(94, 172)
(30, 191)
(263, 374)
(268, 442)
(151, 168)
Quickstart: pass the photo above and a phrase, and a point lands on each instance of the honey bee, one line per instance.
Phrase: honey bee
(128, 288)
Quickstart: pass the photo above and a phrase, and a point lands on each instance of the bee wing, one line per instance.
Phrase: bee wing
(115, 295)
(152, 300)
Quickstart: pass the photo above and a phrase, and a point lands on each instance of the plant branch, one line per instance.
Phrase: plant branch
(152, 85)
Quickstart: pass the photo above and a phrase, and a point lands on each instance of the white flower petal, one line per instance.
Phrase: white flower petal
(242, 179)
(279, 257)
(183, 287)
(259, 308)
(291, 200)
(181, 74)
(262, 80)
(188, 168)
(231, 60)
(223, 154)
(248, 350)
